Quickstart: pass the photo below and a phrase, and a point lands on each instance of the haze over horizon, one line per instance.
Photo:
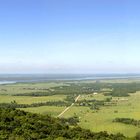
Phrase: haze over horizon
(69, 36)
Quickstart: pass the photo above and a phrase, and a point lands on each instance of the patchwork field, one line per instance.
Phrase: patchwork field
(63, 95)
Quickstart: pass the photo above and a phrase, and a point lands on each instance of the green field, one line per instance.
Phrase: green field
(19, 88)
(95, 120)
(29, 99)
(51, 110)
(102, 120)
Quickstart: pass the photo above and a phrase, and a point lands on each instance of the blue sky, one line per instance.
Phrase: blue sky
(69, 36)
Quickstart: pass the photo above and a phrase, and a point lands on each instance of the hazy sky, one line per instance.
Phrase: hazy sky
(69, 36)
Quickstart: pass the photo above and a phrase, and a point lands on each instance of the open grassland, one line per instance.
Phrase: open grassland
(51, 110)
(92, 96)
(127, 107)
(30, 99)
(19, 88)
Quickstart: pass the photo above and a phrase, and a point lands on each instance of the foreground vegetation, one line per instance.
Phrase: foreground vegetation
(16, 124)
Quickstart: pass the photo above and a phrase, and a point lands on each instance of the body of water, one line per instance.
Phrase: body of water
(14, 78)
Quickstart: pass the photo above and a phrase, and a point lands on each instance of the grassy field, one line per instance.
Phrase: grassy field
(30, 99)
(51, 110)
(92, 96)
(19, 88)
(101, 120)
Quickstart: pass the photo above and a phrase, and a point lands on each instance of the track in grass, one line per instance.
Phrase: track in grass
(76, 99)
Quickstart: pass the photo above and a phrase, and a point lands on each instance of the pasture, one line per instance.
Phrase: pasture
(30, 99)
(101, 120)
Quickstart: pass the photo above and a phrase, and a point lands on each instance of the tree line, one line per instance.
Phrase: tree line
(14, 104)
(128, 121)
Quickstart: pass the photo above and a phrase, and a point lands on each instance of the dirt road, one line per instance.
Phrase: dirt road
(76, 99)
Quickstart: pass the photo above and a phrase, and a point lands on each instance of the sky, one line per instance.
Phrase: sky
(69, 36)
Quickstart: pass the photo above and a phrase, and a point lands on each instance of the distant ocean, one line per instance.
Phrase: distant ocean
(15, 78)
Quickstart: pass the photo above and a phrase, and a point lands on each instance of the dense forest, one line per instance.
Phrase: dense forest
(20, 125)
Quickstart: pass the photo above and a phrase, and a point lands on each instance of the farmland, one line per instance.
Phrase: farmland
(99, 104)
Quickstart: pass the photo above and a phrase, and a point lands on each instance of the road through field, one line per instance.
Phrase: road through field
(76, 99)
